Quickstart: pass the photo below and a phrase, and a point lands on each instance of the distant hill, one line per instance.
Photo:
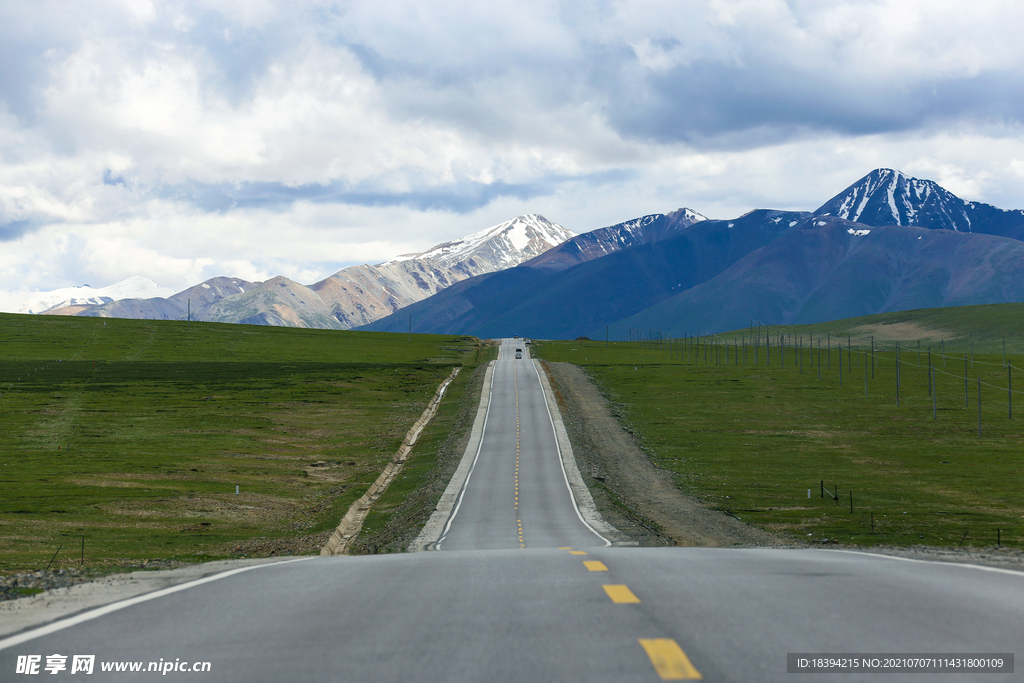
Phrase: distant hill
(174, 307)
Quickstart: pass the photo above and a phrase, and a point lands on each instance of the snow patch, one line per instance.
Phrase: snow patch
(859, 233)
(206, 286)
(518, 236)
(135, 287)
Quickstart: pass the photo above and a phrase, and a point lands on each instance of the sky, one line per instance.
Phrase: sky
(181, 141)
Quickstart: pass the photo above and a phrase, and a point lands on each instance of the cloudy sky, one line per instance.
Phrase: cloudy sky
(185, 140)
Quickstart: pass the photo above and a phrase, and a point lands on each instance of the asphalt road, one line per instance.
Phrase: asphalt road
(563, 607)
(516, 495)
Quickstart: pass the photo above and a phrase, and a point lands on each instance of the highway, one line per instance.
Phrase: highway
(524, 591)
(517, 496)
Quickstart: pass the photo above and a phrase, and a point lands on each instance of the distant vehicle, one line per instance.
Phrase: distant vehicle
(515, 336)
(519, 354)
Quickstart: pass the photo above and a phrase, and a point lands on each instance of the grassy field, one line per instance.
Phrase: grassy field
(135, 434)
(753, 439)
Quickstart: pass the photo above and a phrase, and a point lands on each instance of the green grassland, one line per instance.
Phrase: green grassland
(752, 439)
(135, 434)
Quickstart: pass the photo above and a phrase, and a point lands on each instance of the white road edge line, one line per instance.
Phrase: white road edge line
(545, 391)
(998, 570)
(115, 606)
(465, 483)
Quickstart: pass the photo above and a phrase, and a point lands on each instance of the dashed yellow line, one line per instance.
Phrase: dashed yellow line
(519, 522)
(595, 566)
(577, 552)
(669, 660)
(620, 594)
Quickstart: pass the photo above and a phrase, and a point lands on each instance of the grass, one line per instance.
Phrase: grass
(410, 500)
(752, 440)
(135, 434)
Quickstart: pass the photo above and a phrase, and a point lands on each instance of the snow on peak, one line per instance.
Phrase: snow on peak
(689, 215)
(504, 245)
(889, 197)
(135, 287)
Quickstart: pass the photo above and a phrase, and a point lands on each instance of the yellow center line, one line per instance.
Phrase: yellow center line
(669, 660)
(620, 594)
(577, 552)
(595, 566)
(519, 522)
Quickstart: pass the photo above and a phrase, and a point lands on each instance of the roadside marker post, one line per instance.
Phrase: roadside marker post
(979, 407)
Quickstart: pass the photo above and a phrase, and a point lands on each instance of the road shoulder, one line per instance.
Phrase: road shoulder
(60, 603)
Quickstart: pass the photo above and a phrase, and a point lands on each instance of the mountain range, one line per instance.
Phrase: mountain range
(887, 243)
(353, 296)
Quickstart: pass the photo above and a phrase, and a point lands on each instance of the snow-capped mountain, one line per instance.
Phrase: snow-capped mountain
(361, 294)
(536, 289)
(176, 307)
(498, 247)
(351, 297)
(134, 287)
(604, 241)
(889, 197)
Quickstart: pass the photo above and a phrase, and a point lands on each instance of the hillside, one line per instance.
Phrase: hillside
(828, 269)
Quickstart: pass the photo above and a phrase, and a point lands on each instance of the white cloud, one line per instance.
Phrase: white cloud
(252, 139)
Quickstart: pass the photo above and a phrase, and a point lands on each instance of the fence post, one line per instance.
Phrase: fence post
(865, 372)
(979, 407)
(897, 375)
(965, 380)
